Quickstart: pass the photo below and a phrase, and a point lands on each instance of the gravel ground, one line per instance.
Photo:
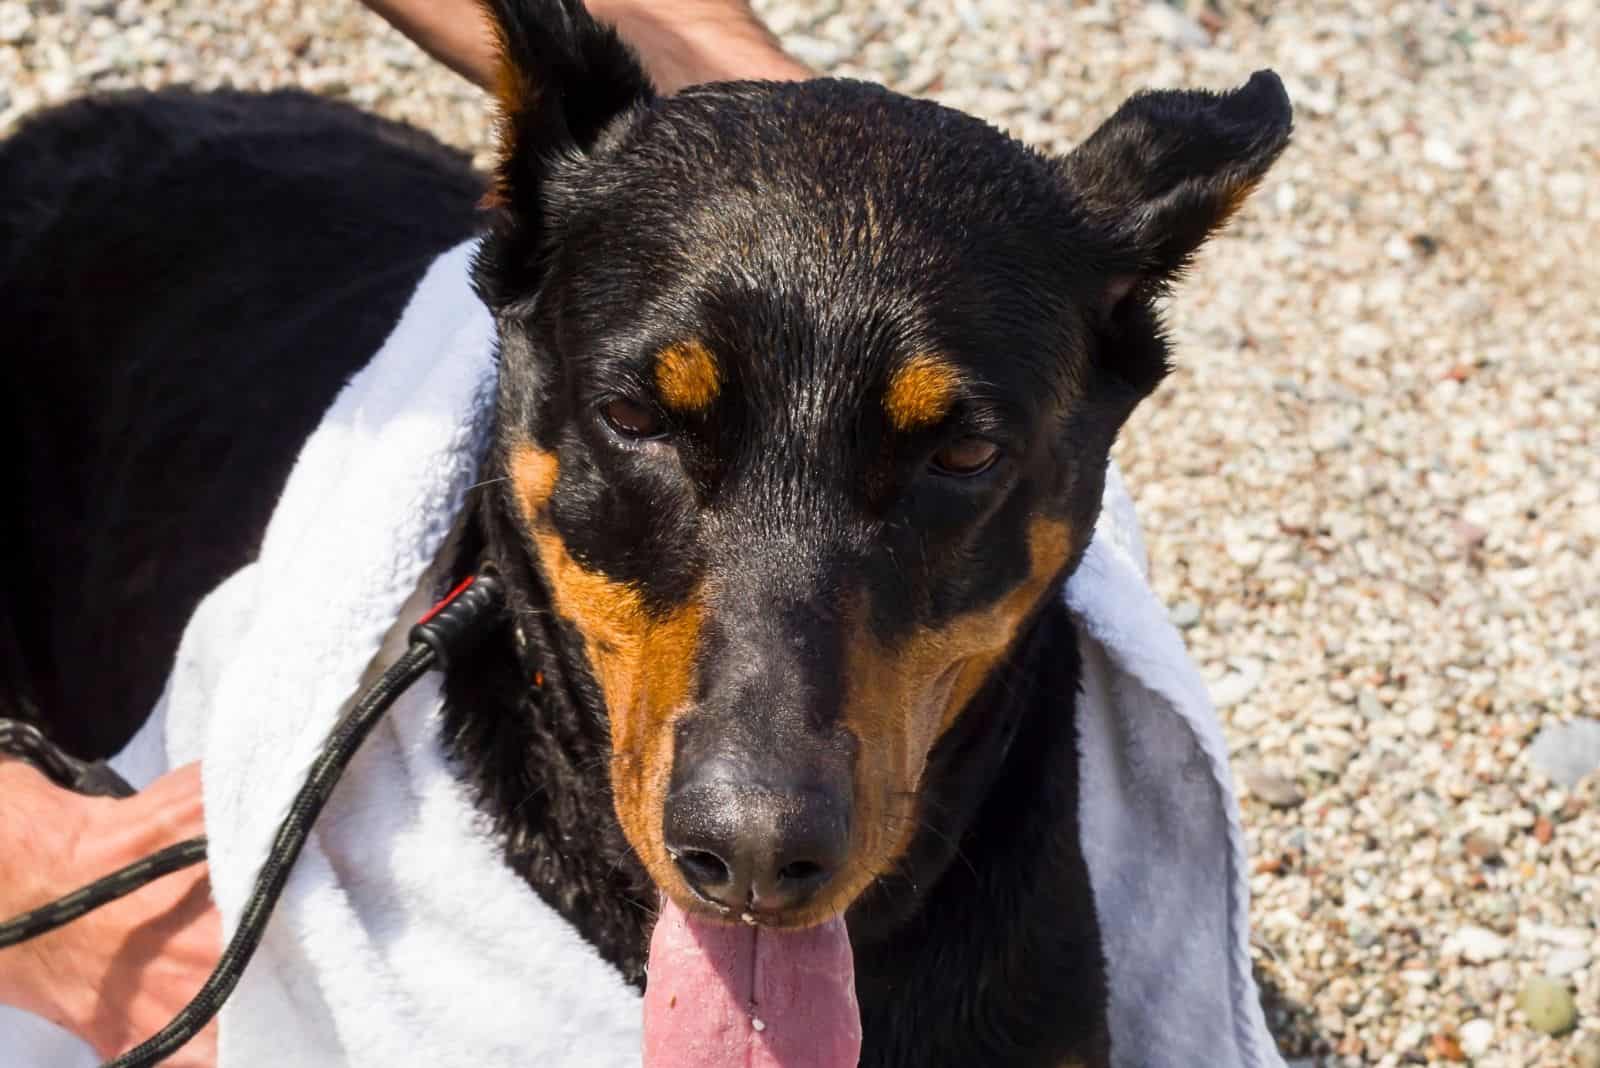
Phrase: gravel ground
(1372, 490)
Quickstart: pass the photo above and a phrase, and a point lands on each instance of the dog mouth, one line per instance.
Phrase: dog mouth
(749, 995)
(758, 989)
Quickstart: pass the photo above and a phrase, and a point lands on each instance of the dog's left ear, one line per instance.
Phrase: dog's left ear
(1166, 171)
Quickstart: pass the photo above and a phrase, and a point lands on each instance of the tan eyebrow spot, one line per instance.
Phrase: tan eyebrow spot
(686, 375)
(920, 392)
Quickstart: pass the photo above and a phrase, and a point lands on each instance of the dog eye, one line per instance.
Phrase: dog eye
(632, 420)
(966, 457)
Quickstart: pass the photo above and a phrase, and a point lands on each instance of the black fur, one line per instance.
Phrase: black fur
(186, 280)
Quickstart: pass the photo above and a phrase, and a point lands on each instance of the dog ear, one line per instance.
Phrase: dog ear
(1166, 171)
(562, 78)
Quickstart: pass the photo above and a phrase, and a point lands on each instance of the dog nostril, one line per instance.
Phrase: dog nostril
(703, 869)
(799, 871)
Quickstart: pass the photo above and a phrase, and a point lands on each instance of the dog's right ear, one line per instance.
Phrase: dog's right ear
(1154, 181)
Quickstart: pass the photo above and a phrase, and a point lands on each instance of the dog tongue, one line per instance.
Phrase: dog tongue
(737, 996)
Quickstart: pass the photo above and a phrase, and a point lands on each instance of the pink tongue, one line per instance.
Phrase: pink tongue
(736, 996)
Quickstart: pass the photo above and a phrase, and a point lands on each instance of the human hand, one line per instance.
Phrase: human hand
(117, 975)
(685, 42)
(680, 42)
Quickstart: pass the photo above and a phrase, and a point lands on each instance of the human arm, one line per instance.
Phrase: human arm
(680, 42)
(118, 974)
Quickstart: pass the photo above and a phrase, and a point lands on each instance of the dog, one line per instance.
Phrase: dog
(806, 397)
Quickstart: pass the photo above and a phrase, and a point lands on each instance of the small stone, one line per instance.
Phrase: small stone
(1410, 1036)
(1239, 683)
(1477, 945)
(1587, 1053)
(1174, 27)
(1476, 1036)
(814, 51)
(1446, 1048)
(1564, 960)
(1244, 552)
(1422, 721)
(1567, 752)
(1443, 154)
(1370, 707)
(1364, 937)
(1185, 614)
(1551, 935)
(16, 22)
(1346, 994)
(1481, 846)
(1272, 786)
(1548, 1005)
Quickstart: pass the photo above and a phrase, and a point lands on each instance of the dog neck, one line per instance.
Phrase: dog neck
(525, 722)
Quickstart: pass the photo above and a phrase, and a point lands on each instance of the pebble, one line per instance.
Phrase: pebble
(1566, 753)
(1482, 846)
(1422, 721)
(1476, 1037)
(1477, 945)
(1565, 960)
(1185, 614)
(1239, 683)
(1173, 26)
(1548, 1005)
(15, 21)
(1586, 1054)
(1442, 153)
(1272, 786)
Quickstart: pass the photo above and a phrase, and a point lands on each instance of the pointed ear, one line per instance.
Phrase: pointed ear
(562, 78)
(1168, 170)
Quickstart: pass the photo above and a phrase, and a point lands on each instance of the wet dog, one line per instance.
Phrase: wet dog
(806, 395)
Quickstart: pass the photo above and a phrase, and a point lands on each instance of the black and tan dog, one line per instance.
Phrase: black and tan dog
(806, 395)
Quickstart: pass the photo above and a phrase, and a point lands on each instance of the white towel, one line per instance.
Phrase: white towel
(403, 939)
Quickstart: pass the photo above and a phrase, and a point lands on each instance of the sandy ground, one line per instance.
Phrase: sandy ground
(1371, 491)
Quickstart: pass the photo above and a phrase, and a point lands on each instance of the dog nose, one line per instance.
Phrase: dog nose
(756, 846)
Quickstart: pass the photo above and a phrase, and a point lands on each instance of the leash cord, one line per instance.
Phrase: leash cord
(450, 627)
(103, 891)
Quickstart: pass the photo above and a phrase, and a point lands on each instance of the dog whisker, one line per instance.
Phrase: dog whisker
(487, 482)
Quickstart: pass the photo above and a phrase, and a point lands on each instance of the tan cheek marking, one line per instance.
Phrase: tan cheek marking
(920, 392)
(533, 476)
(644, 662)
(902, 700)
(686, 375)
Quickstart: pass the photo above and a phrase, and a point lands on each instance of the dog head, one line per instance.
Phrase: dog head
(807, 393)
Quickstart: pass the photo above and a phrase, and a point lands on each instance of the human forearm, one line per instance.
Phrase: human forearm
(683, 42)
(680, 42)
(455, 32)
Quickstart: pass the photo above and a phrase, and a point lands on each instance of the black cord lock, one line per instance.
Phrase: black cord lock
(460, 621)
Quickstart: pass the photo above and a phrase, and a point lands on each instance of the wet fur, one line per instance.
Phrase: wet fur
(139, 492)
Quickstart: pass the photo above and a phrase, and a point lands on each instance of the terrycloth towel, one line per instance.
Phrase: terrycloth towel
(402, 938)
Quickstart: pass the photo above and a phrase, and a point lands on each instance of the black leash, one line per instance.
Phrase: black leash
(451, 627)
(102, 891)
